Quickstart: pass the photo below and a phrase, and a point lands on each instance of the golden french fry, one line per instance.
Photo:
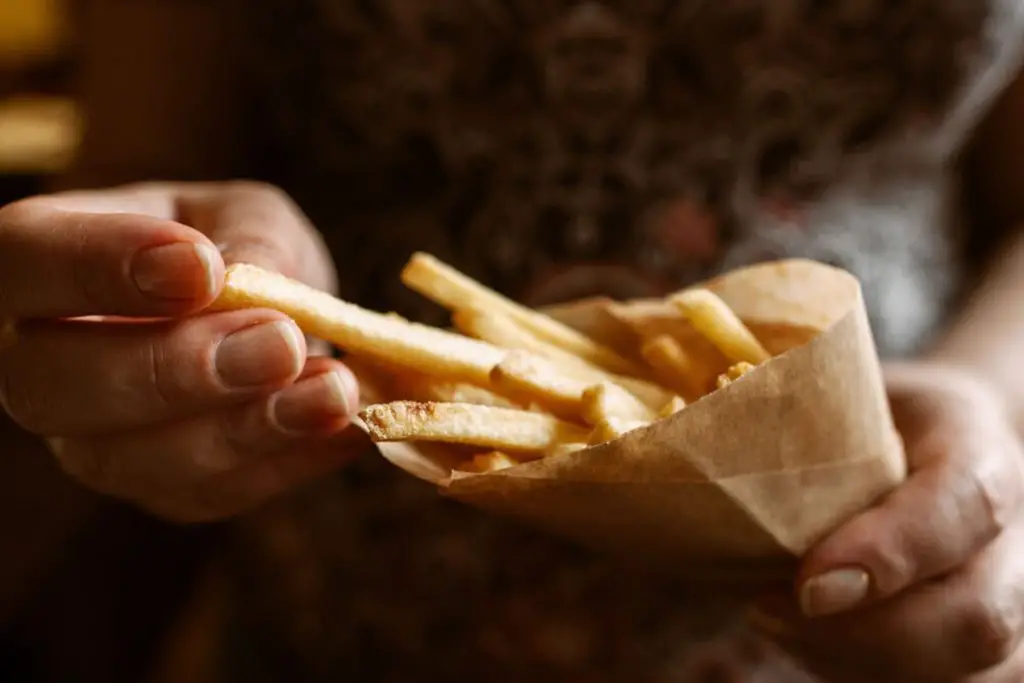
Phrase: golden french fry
(386, 338)
(675, 366)
(733, 374)
(672, 407)
(531, 379)
(448, 287)
(564, 448)
(483, 463)
(611, 429)
(462, 423)
(501, 330)
(715, 320)
(417, 387)
(604, 401)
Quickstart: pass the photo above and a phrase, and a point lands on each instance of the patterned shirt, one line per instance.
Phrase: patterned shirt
(557, 149)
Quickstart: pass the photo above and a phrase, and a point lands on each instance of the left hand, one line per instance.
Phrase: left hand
(929, 584)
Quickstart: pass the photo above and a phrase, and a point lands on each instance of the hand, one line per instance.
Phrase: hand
(929, 584)
(141, 396)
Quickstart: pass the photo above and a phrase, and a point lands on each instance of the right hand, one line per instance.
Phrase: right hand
(194, 416)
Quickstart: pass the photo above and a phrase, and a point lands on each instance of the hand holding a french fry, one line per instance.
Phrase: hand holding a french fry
(927, 585)
(107, 353)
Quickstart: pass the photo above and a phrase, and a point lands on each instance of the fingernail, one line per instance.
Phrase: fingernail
(176, 271)
(836, 591)
(312, 404)
(261, 355)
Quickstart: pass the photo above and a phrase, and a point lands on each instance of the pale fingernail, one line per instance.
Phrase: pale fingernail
(834, 592)
(312, 404)
(176, 271)
(261, 355)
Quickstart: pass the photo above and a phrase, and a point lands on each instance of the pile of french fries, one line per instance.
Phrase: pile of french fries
(509, 383)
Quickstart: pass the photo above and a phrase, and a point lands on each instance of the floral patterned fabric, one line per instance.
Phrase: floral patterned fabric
(559, 149)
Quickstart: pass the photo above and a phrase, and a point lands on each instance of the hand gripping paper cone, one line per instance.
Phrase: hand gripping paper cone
(741, 482)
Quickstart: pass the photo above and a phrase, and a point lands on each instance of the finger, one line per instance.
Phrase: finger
(77, 378)
(259, 224)
(967, 623)
(190, 466)
(60, 263)
(968, 485)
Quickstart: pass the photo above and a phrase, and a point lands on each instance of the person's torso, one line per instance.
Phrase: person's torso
(562, 149)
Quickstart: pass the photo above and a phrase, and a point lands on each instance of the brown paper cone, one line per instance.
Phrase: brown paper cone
(740, 482)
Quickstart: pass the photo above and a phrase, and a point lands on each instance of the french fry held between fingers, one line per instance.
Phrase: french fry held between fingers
(389, 339)
(449, 288)
(502, 429)
(713, 318)
(501, 330)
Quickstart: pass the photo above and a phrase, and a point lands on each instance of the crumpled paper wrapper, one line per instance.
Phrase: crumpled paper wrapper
(740, 483)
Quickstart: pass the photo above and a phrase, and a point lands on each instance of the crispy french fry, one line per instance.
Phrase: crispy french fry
(734, 373)
(483, 463)
(501, 330)
(387, 338)
(715, 320)
(502, 429)
(675, 366)
(564, 448)
(611, 429)
(453, 290)
(672, 407)
(531, 379)
(417, 387)
(603, 402)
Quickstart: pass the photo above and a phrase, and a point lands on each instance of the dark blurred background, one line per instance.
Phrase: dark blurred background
(88, 588)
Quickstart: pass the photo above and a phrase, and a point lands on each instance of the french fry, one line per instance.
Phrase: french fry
(453, 290)
(483, 463)
(675, 366)
(603, 402)
(564, 448)
(501, 330)
(611, 429)
(387, 338)
(715, 320)
(734, 373)
(417, 387)
(501, 429)
(672, 407)
(530, 379)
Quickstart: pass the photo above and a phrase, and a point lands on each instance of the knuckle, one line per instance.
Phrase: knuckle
(987, 633)
(995, 496)
(259, 190)
(160, 382)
